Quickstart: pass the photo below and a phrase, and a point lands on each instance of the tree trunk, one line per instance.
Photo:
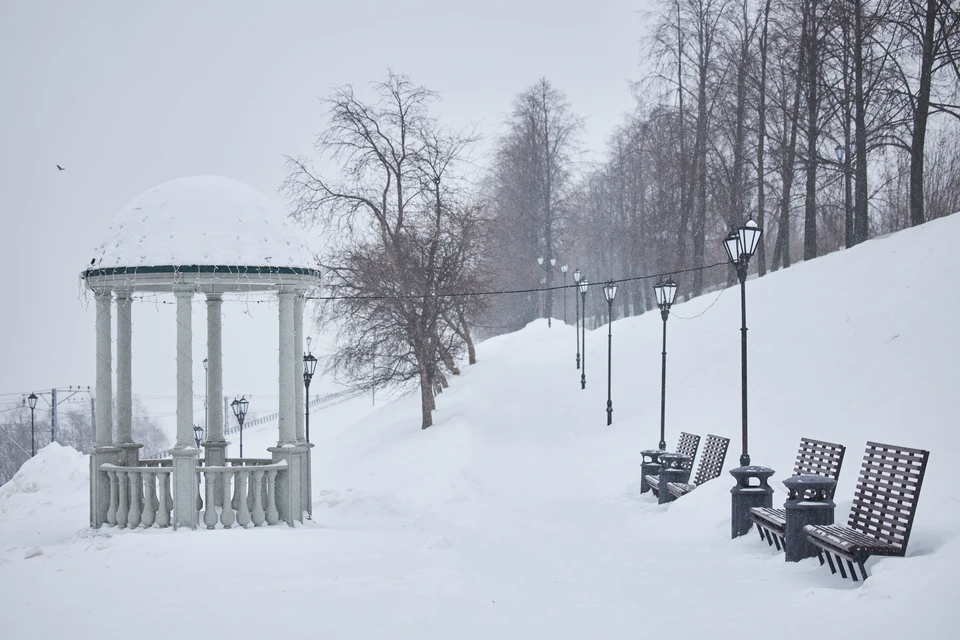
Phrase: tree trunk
(860, 217)
(761, 140)
(810, 197)
(917, 144)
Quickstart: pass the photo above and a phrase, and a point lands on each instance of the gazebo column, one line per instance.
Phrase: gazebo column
(215, 445)
(129, 451)
(306, 494)
(185, 489)
(103, 450)
(289, 498)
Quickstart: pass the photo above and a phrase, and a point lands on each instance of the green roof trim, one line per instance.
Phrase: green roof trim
(201, 268)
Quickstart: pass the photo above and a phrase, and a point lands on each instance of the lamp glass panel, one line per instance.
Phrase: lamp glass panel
(670, 291)
(32, 399)
(576, 275)
(244, 404)
(749, 235)
(584, 283)
(839, 152)
(540, 261)
(732, 245)
(659, 290)
(610, 292)
(563, 269)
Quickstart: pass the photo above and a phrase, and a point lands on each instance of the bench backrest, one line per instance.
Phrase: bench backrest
(688, 445)
(885, 499)
(711, 460)
(818, 458)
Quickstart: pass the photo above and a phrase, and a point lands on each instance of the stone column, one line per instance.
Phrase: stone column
(104, 375)
(306, 494)
(103, 451)
(184, 452)
(215, 445)
(129, 451)
(289, 482)
(298, 366)
(287, 422)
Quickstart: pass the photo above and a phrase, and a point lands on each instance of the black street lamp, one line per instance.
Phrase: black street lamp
(576, 280)
(609, 292)
(198, 435)
(309, 368)
(240, 411)
(32, 399)
(740, 245)
(666, 294)
(563, 270)
(584, 283)
(545, 265)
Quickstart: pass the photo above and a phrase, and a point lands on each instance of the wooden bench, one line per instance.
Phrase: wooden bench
(711, 464)
(687, 445)
(814, 458)
(881, 517)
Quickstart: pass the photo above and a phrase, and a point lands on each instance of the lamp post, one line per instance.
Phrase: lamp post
(609, 292)
(666, 294)
(584, 283)
(740, 245)
(844, 159)
(545, 265)
(198, 435)
(32, 399)
(563, 270)
(240, 411)
(576, 300)
(309, 367)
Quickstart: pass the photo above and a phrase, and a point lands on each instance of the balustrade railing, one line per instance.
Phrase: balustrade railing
(141, 495)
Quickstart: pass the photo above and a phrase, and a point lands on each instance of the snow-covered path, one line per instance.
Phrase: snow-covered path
(518, 514)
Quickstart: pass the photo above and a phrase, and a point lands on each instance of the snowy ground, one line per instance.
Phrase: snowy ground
(518, 514)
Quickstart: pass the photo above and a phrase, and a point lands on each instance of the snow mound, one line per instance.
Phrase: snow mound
(56, 475)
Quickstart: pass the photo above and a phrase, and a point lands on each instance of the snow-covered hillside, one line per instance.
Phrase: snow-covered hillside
(518, 514)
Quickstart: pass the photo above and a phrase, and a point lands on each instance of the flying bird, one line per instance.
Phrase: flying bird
(61, 168)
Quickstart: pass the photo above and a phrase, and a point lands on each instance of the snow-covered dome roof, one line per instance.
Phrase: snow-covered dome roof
(206, 233)
(201, 220)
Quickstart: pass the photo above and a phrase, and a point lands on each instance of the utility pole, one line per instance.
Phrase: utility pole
(53, 415)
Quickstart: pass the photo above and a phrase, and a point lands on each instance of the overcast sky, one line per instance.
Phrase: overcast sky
(126, 95)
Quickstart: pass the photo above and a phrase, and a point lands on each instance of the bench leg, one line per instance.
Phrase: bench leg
(843, 573)
(830, 561)
(760, 531)
(853, 572)
(863, 569)
(820, 555)
(776, 541)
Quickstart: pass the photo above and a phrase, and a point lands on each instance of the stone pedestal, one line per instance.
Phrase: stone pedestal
(216, 456)
(129, 454)
(100, 483)
(751, 490)
(290, 483)
(809, 502)
(185, 488)
(306, 482)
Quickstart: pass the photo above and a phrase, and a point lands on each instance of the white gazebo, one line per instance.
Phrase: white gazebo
(207, 236)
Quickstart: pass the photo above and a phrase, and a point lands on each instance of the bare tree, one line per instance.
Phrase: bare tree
(402, 230)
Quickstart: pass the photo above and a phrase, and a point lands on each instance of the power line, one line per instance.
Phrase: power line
(465, 294)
